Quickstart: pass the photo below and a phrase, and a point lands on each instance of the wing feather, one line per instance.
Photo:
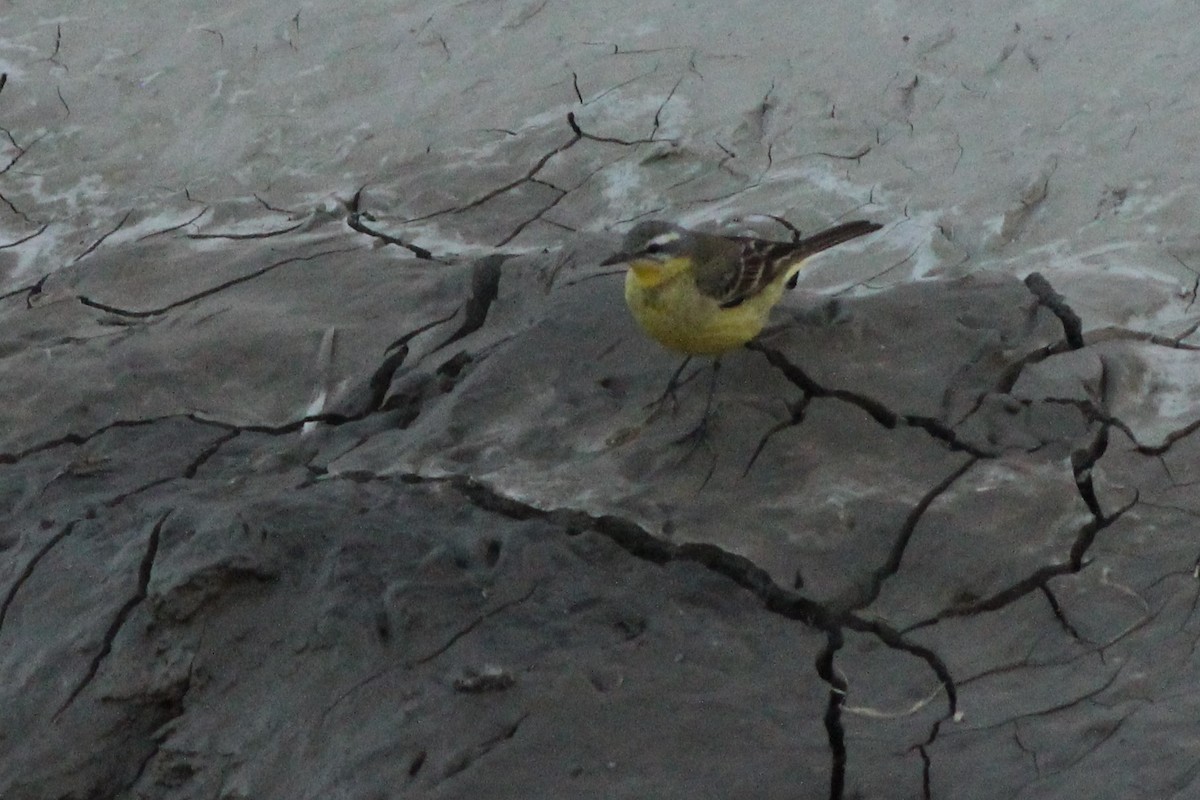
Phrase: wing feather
(761, 262)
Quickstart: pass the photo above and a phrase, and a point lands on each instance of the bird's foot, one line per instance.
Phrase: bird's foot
(698, 435)
(656, 406)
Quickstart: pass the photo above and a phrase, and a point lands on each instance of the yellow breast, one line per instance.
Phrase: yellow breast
(666, 303)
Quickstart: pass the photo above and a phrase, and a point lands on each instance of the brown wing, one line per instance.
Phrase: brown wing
(762, 261)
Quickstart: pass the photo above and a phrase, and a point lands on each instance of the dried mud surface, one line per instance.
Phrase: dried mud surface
(330, 463)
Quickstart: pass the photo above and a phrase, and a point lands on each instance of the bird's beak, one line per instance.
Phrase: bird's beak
(615, 258)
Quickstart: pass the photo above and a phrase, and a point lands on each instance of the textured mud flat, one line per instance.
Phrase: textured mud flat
(926, 533)
(325, 466)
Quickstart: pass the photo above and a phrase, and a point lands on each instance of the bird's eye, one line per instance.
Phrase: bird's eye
(654, 248)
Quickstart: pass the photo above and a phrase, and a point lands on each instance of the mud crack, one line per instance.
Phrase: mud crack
(355, 220)
(245, 236)
(23, 239)
(835, 731)
(875, 409)
(529, 176)
(114, 627)
(30, 566)
(1082, 462)
(891, 566)
(192, 298)
(1056, 304)
(741, 571)
(485, 287)
(92, 247)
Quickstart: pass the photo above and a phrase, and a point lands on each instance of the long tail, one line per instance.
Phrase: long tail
(792, 255)
(763, 262)
(831, 237)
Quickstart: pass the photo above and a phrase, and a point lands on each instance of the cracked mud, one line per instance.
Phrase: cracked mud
(475, 500)
(326, 470)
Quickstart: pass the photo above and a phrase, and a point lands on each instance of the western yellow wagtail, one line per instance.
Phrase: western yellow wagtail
(704, 294)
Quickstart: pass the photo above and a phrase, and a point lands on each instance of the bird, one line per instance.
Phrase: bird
(705, 294)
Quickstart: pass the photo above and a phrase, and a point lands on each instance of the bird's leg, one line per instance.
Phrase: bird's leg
(697, 435)
(656, 406)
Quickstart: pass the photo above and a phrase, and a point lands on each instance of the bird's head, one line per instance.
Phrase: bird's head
(655, 251)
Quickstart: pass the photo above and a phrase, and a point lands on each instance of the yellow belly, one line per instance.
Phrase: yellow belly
(682, 319)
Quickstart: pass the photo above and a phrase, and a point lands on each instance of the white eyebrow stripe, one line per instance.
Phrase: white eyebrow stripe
(664, 238)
